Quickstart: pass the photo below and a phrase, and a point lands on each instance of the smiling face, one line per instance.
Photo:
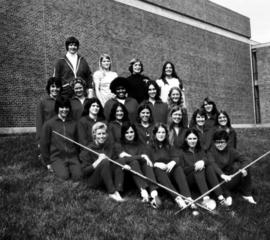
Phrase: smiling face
(177, 117)
(175, 96)
(145, 115)
(120, 92)
(72, 48)
(130, 134)
(160, 134)
(119, 113)
(106, 63)
(168, 69)
(200, 120)
(63, 112)
(94, 109)
(220, 144)
(192, 140)
(137, 67)
(78, 90)
(222, 120)
(54, 90)
(152, 91)
(100, 136)
(208, 107)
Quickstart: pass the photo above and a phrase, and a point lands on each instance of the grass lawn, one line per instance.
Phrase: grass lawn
(36, 205)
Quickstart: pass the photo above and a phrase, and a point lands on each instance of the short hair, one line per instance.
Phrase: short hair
(88, 103)
(117, 82)
(104, 56)
(185, 145)
(132, 62)
(227, 116)
(113, 112)
(199, 111)
(154, 83)
(221, 135)
(124, 128)
(70, 40)
(62, 102)
(96, 126)
(53, 80)
(142, 107)
(80, 81)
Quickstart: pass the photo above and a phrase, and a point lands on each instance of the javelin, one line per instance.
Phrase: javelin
(136, 173)
(221, 183)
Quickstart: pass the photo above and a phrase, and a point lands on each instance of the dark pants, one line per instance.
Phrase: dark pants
(198, 179)
(178, 176)
(67, 168)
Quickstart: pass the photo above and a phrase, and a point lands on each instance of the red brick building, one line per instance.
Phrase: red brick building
(209, 44)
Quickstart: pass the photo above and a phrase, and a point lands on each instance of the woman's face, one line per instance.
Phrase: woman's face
(63, 111)
(222, 120)
(94, 109)
(54, 90)
(152, 91)
(177, 117)
(119, 113)
(101, 136)
(78, 90)
(200, 120)
(130, 134)
(145, 115)
(137, 67)
(192, 140)
(175, 96)
(208, 107)
(120, 92)
(220, 144)
(161, 134)
(106, 63)
(168, 69)
(72, 48)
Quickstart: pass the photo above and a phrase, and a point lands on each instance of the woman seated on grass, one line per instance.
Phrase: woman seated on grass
(166, 164)
(227, 161)
(59, 154)
(134, 154)
(198, 169)
(97, 168)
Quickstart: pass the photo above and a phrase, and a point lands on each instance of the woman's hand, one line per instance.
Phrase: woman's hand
(101, 157)
(49, 167)
(244, 172)
(160, 165)
(126, 167)
(199, 165)
(170, 166)
(124, 154)
(147, 159)
(226, 178)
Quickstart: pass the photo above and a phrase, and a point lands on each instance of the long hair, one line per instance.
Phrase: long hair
(104, 56)
(113, 112)
(154, 142)
(185, 145)
(124, 128)
(88, 103)
(180, 101)
(142, 107)
(154, 83)
(132, 62)
(227, 116)
(193, 121)
(214, 111)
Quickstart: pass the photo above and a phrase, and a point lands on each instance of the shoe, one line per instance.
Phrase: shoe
(209, 203)
(249, 199)
(116, 196)
(156, 202)
(180, 202)
(144, 195)
(188, 201)
(225, 201)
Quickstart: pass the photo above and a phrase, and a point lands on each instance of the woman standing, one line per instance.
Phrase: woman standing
(97, 169)
(59, 154)
(169, 79)
(137, 81)
(92, 113)
(79, 98)
(103, 78)
(145, 123)
(134, 154)
(159, 108)
(118, 116)
(166, 164)
(224, 123)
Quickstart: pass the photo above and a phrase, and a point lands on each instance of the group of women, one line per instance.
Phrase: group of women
(143, 125)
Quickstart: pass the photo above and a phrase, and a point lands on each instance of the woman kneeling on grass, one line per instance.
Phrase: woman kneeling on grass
(198, 169)
(98, 169)
(166, 164)
(60, 155)
(226, 161)
(134, 154)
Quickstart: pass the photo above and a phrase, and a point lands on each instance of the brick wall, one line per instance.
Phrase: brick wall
(32, 42)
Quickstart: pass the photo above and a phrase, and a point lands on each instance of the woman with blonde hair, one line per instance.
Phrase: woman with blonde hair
(102, 79)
